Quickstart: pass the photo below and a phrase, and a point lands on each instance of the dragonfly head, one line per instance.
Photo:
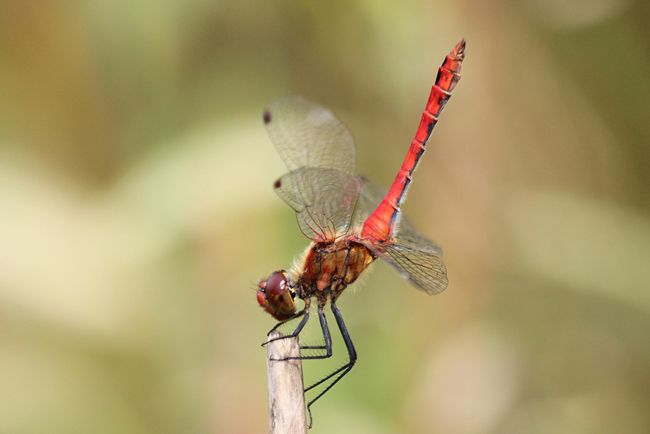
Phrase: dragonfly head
(277, 295)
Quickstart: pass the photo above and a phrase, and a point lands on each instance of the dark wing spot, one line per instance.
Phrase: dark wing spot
(277, 184)
(267, 116)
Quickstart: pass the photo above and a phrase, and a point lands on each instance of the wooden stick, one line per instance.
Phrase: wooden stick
(286, 389)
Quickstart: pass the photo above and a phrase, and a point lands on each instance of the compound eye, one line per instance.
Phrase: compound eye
(276, 284)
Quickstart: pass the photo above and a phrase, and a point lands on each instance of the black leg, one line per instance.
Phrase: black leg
(295, 333)
(297, 315)
(298, 329)
(326, 337)
(339, 373)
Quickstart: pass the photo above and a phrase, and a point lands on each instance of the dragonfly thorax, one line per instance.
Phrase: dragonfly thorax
(329, 267)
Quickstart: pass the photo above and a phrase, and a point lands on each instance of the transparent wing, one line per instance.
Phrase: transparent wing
(416, 258)
(419, 265)
(323, 199)
(308, 135)
(370, 197)
(319, 151)
(406, 232)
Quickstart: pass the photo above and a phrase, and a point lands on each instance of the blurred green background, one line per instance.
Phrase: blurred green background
(137, 213)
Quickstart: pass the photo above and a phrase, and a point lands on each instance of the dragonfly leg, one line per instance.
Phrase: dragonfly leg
(298, 329)
(295, 333)
(327, 346)
(326, 337)
(281, 323)
(340, 372)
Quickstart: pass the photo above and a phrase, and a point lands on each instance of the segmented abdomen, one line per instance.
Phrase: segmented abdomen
(380, 226)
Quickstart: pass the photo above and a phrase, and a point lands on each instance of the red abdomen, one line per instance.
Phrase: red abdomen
(380, 226)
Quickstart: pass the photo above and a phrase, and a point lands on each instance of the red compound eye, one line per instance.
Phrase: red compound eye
(276, 284)
(277, 296)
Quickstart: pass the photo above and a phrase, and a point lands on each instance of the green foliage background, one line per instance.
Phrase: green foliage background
(137, 214)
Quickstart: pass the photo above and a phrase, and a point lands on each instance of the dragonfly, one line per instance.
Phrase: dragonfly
(350, 221)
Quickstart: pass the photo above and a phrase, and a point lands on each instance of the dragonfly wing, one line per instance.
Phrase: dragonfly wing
(407, 233)
(308, 135)
(415, 262)
(370, 197)
(323, 199)
(319, 152)
(416, 258)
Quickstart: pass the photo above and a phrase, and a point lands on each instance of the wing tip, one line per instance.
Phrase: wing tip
(443, 284)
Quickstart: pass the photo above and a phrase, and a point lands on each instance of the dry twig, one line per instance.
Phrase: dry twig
(286, 390)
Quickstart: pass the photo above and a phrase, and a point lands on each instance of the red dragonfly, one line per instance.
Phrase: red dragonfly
(350, 221)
